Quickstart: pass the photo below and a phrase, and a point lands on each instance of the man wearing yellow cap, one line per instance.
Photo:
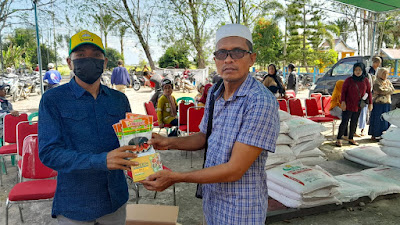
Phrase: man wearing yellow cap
(77, 140)
(240, 125)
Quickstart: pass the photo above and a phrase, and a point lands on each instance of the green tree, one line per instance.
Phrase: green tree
(13, 56)
(187, 19)
(267, 40)
(175, 56)
(113, 57)
(106, 22)
(344, 28)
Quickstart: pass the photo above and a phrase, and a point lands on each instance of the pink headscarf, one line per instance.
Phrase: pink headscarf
(204, 96)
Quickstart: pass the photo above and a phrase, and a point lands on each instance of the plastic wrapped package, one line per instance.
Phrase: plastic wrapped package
(32, 167)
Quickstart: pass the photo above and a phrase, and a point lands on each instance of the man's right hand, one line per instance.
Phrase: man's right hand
(117, 158)
(159, 142)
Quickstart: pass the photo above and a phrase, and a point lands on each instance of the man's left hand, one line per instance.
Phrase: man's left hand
(159, 181)
(14, 113)
(370, 106)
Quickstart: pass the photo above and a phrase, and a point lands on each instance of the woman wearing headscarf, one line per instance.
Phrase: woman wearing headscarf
(355, 89)
(382, 90)
(204, 96)
(273, 82)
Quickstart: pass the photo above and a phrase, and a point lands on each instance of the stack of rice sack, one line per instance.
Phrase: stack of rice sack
(283, 153)
(307, 137)
(298, 186)
(373, 182)
(371, 156)
(299, 138)
(391, 142)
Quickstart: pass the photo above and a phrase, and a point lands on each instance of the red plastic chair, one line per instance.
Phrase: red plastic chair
(283, 105)
(318, 98)
(24, 129)
(312, 107)
(39, 189)
(195, 115)
(295, 107)
(9, 147)
(182, 119)
(151, 111)
(136, 186)
(290, 93)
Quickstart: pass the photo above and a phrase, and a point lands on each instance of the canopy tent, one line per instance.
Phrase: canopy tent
(376, 6)
(393, 54)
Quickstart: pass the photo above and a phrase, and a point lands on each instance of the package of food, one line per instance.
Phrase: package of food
(148, 165)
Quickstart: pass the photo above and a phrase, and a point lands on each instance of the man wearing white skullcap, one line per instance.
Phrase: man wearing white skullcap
(239, 126)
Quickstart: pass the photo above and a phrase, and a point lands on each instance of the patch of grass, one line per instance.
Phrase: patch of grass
(64, 70)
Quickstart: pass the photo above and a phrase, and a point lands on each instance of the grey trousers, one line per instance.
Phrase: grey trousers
(116, 218)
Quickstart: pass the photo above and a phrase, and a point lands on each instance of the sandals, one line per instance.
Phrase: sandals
(352, 142)
(338, 143)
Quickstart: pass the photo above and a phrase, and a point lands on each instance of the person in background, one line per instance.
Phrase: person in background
(200, 90)
(53, 77)
(145, 69)
(203, 99)
(147, 77)
(216, 78)
(273, 82)
(245, 127)
(364, 115)
(6, 108)
(37, 68)
(157, 80)
(120, 77)
(335, 109)
(167, 107)
(382, 91)
(77, 140)
(354, 89)
(292, 79)
(186, 74)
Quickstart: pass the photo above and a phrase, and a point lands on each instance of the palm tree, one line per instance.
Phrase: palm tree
(122, 30)
(106, 23)
(344, 28)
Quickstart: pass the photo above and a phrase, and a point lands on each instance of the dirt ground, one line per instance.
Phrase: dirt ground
(190, 210)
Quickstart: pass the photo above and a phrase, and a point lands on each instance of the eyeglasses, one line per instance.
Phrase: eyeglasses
(234, 54)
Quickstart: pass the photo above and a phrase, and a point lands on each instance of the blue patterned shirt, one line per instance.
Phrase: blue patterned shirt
(75, 135)
(250, 117)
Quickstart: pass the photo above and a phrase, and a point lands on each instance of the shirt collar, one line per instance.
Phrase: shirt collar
(240, 92)
(79, 91)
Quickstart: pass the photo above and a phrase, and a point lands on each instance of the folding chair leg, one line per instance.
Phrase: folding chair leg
(4, 165)
(174, 195)
(20, 213)
(8, 206)
(191, 159)
(136, 188)
(155, 195)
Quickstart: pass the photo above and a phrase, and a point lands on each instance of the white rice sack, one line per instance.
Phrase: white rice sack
(385, 142)
(375, 186)
(284, 128)
(301, 179)
(284, 115)
(392, 134)
(312, 161)
(349, 192)
(282, 154)
(371, 154)
(385, 173)
(312, 153)
(308, 145)
(393, 117)
(391, 161)
(300, 127)
(284, 139)
(360, 161)
(291, 203)
(304, 139)
(391, 151)
(321, 193)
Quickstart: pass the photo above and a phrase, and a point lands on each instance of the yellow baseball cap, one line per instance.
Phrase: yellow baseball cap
(85, 37)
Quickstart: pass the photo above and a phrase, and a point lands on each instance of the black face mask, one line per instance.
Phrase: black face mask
(88, 69)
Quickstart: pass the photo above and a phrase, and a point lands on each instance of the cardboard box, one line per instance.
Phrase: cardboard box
(142, 214)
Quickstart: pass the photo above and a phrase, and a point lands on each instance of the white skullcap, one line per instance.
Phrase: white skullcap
(233, 30)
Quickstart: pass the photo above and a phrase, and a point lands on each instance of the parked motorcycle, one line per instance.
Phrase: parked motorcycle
(177, 81)
(187, 86)
(136, 83)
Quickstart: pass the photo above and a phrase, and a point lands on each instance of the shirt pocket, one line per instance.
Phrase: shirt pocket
(114, 115)
(76, 125)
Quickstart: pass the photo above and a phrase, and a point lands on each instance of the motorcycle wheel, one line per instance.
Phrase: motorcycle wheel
(136, 86)
(16, 95)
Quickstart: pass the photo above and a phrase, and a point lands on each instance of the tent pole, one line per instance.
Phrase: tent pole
(373, 39)
(39, 55)
(396, 66)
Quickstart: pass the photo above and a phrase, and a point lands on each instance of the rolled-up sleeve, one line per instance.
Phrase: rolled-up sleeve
(260, 126)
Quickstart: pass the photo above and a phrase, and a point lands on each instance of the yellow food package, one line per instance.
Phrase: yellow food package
(148, 165)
